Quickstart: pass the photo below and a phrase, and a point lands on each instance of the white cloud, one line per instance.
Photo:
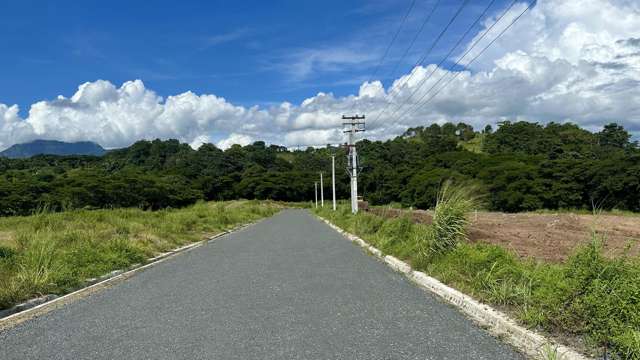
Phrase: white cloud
(567, 60)
(301, 64)
(223, 38)
(233, 139)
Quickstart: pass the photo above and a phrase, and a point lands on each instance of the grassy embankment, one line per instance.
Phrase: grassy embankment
(589, 296)
(54, 253)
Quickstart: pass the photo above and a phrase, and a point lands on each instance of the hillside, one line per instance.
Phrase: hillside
(519, 167)
(52, 147)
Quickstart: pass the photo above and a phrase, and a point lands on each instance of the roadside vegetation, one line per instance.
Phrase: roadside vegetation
(54, 253)
(588, 297)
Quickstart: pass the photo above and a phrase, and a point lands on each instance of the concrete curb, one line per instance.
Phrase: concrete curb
(41, 305)
(497, 323)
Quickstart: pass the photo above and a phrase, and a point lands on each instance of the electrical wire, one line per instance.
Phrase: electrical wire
(413, 41)
(418, 105)
(393, 39)
(428, 77)
(428, 52)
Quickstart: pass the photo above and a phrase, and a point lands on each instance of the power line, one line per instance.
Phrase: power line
(415, 37)
(418, 105)
(393, 39)
(427, 53)
(428, 77)
(301, 147)
(395, 36)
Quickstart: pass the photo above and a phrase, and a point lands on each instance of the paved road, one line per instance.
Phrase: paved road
(287, 288)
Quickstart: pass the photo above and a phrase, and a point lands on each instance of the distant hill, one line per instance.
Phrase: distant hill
(52, 147)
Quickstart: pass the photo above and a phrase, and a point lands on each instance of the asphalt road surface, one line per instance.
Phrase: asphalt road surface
(289, 287)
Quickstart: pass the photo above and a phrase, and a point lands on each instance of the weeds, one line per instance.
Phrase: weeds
(450, 217)
(37, 265)
(589, 295)
(57, 252)
(550, 352)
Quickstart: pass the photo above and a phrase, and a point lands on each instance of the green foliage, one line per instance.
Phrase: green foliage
(523, 166)
(393, 232)
(57, 252)
(628, 344)
(589, 295)
(604, 297)
(450, 216)
(6, 252)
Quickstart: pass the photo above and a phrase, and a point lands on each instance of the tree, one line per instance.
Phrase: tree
(614, 136)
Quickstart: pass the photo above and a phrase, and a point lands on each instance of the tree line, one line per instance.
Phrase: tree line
(521, 166)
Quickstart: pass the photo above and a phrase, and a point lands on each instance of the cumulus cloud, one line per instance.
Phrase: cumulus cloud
(234, 139)
(566, 60)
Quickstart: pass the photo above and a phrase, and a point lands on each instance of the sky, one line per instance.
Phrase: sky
(286, 71)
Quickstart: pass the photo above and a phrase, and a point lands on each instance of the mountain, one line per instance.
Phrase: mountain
(52, 147)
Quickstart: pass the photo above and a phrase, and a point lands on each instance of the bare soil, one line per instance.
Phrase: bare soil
(548, 237)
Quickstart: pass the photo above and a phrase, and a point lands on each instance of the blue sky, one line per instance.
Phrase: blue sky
(249, 52)
(286, 71)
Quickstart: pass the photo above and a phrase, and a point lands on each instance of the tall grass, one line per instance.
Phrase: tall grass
(450, 221)
(589, 296)
(56, 252)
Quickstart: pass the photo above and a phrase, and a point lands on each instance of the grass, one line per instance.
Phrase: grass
(475, 145)
(589, 296)
(450, 217)
(54, 253)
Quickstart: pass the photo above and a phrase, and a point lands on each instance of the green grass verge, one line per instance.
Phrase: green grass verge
(589, 296)
(54, 253)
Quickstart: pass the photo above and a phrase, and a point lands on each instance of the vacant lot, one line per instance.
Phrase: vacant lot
(549, 237)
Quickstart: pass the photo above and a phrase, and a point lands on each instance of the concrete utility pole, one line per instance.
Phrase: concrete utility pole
(316, 183)
(354, 126)
(333, 179)
(321, 190)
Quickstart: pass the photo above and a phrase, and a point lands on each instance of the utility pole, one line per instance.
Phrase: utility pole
(316, 183)
(333, 179)
(353, 126)
(321, 190)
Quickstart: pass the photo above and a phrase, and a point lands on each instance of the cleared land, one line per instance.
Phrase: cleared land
(548, 237)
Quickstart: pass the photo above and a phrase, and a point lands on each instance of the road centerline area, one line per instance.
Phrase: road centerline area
(289, 287)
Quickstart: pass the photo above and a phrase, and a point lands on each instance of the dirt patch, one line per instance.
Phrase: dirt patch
(549, 237)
